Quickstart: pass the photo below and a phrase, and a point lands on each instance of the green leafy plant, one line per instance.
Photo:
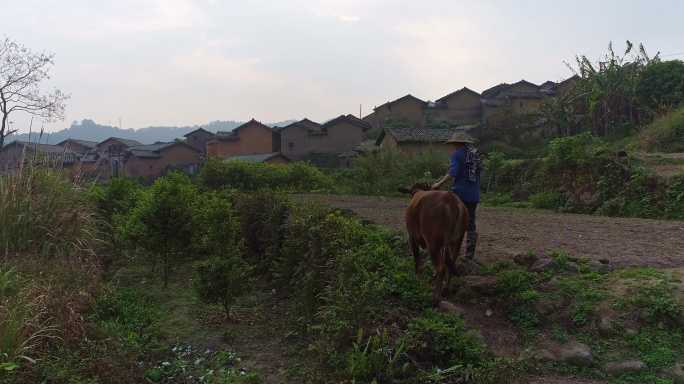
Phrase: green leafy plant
(375, 359)
(162, 220)
(442, 340)
(547, 200)
(252, 176)
(24, 321)
(220, 280)
(129, 315)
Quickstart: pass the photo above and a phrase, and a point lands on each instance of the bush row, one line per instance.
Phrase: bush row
(581, 174)
(358, 300)
(251, 176)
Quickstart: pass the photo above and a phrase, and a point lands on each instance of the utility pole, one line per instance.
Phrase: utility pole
(360, 115)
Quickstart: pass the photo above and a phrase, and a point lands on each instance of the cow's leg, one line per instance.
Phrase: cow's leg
(414, 247)
(437, 255)
(450, 268)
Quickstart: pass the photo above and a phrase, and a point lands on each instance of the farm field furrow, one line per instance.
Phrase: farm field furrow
(507, 231)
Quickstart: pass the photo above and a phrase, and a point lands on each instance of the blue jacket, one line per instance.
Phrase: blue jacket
(467, 190)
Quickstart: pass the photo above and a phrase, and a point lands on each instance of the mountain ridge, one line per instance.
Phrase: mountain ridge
(90, 130)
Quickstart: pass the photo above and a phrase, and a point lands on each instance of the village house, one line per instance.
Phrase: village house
(151, 161)
(409, 109)
(519, 98)
(297, 139)
(322, 144)
(461, 107)
(199, 138)
(466, 107)
(343, 134)
(108, 157)
(78, 146)
(272, 158)
(16, 154)
(411, 141)
(250, 138)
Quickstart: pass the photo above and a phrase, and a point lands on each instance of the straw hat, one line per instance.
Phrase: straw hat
(460, 137)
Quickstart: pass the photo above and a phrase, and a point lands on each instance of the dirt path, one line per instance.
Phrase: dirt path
(506, 231)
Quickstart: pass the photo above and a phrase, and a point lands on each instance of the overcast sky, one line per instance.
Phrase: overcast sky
(181, 62)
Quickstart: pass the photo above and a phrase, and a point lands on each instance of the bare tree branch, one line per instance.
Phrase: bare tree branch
(22, 72)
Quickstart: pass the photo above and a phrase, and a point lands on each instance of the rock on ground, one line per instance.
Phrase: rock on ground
(619, 368)
(676, 373)
(572, 352)
(483, 285)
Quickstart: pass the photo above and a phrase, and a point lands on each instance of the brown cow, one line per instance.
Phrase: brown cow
(436, 221)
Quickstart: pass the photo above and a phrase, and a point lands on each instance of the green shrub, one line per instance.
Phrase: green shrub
(661, 85)
(117, 197)
(216, 226)
(497, 199)
(367, 275)
(584, 291)
(377, 360)
(113, 201)
(517, 288)
(162, 221)
(665, 134)
(262, 217)
(656, 301)
(385, 171)
(674, 199)
(220, 280)
(128, 315)
(547, 200)
(252, 176)
(443, 341)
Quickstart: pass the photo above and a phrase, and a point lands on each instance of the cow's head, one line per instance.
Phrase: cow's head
(415, 188)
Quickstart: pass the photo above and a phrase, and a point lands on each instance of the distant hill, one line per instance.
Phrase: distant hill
(90, 130)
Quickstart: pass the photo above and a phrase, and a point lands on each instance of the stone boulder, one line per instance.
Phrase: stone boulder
(576, 353)
(483, 285)
(622, 367)
(676, 373)
(526, 260)
(449, 307)
(572, 352)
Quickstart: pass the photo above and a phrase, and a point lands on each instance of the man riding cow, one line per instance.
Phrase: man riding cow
(465, 170)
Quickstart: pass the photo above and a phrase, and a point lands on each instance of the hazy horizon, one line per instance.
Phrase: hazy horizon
(185, 62)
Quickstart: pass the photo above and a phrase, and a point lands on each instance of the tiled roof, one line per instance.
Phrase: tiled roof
(495, 90)
(425, 135)
(257, 158)
(85, 143)
(464, 89)
(47, 148)
(310, 126)
(154, 150)
(234, 134)
(408, 97)
(505, 90)
(351, 119)
(200, 129)
(127, 142)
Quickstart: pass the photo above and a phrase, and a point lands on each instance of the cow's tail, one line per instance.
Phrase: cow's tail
(450, 262)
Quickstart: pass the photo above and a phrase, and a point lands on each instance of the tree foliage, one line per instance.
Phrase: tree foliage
(609, 88)
(661, 86)
(220, 280)
(162, 221)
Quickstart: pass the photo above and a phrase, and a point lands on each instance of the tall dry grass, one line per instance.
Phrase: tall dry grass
(48, 268)
(42, 212)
